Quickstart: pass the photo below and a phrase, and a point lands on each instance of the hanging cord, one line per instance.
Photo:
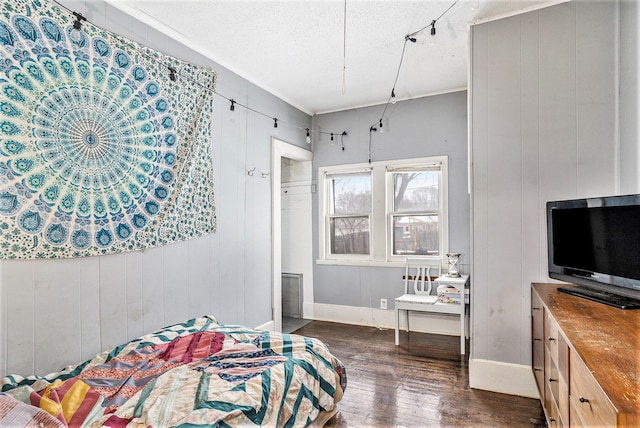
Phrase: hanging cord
(173, 72)
(392, 94)
(373, 128)
(409, 37)
(344, 51)
(434, 21)
(276, 120)
(370, 131)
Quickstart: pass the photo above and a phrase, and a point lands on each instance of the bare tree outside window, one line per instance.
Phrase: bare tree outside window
(350, 213)
(415, 213)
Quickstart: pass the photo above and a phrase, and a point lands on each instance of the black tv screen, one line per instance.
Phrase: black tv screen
(603, 239)
(596, 242)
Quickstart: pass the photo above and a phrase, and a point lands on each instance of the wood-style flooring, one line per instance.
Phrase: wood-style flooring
(424, 382)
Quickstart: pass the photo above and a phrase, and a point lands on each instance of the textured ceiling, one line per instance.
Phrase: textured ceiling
(297, 49)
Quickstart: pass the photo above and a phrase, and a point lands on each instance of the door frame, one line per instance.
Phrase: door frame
(279, 150)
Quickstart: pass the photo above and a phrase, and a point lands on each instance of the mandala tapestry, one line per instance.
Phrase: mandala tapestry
(104, 143)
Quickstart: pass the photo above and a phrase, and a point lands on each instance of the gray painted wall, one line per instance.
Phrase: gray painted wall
(58, 312)
(428, 126)
(543, 127)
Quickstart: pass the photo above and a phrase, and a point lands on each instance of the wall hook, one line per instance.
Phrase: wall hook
(251, 171)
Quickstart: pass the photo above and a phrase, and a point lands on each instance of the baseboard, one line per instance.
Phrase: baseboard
(507, 378)
(385, 318)
(268, 326)
(307, 310)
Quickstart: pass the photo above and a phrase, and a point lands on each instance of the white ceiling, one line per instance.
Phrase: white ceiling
(296, 49)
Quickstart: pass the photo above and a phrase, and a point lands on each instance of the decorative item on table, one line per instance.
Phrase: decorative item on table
(449, 294)
(452, 260)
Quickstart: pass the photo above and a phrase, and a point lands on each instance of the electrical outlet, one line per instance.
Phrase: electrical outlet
(383, 303)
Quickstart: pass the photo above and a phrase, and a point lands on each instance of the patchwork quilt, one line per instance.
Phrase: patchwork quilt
(192, 374)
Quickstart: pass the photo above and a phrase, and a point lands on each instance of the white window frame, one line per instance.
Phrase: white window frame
(380, 222)
(324, 220)
(389, 188)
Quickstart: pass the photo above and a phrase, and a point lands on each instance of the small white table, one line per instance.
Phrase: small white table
(460, 283)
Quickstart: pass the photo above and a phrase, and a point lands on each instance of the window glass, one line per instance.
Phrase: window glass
(350, 210)
(416, 191)
(351, 193)
(416, 235)
(350, 235)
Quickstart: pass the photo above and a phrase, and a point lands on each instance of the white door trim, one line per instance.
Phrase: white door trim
(279, 150)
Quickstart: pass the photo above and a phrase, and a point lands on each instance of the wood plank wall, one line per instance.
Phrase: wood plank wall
(543, 128)
(58, 312)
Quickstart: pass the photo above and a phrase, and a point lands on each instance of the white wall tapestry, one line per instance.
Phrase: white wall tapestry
(103, 147)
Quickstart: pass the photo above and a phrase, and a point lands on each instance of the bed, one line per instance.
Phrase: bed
(192, 374)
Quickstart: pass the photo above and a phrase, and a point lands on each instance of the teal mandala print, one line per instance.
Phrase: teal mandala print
(102, 150)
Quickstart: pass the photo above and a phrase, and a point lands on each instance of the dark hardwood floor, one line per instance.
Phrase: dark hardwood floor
(424, 382)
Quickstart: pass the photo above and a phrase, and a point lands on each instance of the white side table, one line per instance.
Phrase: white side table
(460, 283)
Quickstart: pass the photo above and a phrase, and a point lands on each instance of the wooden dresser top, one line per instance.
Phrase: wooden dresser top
(607, 339)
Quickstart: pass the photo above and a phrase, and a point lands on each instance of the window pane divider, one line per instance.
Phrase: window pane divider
(349, 215)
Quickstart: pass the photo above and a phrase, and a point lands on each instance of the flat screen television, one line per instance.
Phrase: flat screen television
(594, 243)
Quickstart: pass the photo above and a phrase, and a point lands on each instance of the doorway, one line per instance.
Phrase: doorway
(291, 171)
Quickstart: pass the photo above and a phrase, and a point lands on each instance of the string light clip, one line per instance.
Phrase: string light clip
(77, 24)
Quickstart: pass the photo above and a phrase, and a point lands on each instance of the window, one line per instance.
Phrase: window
(383, 212)
(350, 213)
(415, 211)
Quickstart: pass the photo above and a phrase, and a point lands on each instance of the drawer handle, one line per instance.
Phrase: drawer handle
(552, 339)
(537, 339)
(535, 369)
(583, 400)
(552, 420)
(535, 308)
(552, 379)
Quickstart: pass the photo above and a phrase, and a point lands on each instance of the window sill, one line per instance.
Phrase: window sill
(375, 263)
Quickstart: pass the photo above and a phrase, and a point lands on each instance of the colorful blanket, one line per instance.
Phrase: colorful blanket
(197, 373)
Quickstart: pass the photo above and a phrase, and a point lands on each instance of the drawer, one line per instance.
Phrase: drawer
(553, 380)
(575, 418)
(538, 366)
(537, 316)
(537, 340)
(588, 399)
(551, 336)
(563, 357)
(563, 378)
(554, 418)
(548, 393)
(548, 403)
(537, 335)
(563, 401)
